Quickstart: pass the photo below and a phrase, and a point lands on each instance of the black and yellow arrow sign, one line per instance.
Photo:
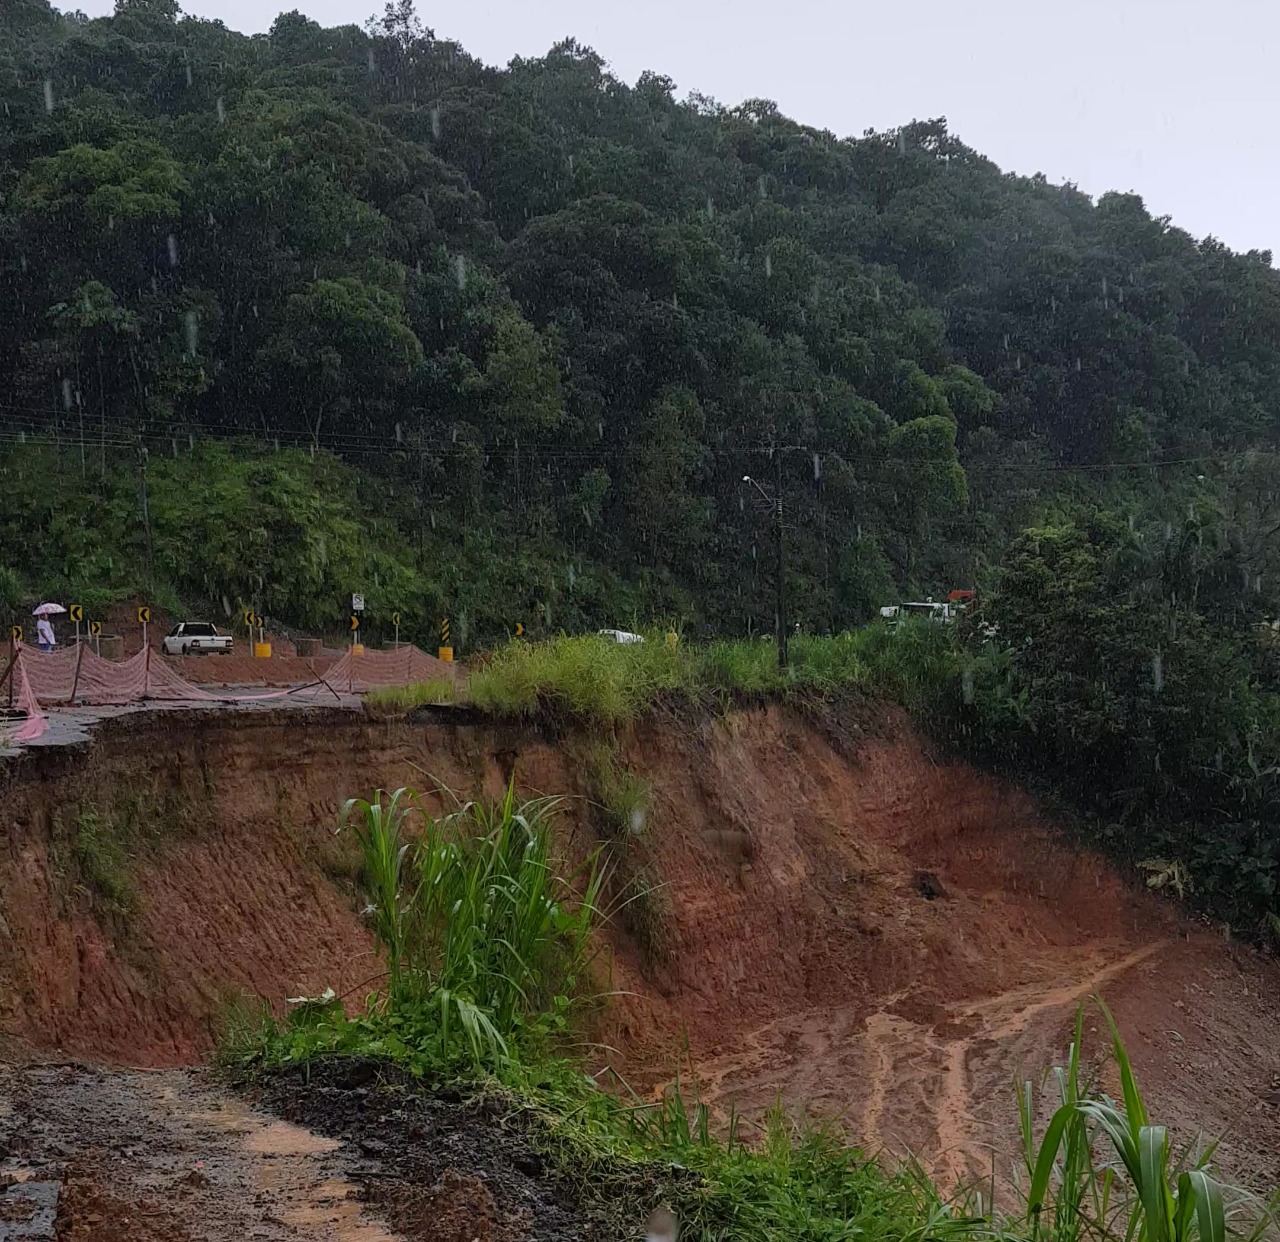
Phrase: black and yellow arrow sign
(76, 612)
(395, 618)
(519, 629)
(95, 628)
(248, 616)
(355, 621)
(144, 615)
(15, 632)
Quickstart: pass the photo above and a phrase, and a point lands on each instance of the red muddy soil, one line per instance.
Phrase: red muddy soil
(851, 925)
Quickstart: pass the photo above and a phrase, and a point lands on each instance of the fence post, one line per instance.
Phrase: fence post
(75, 683)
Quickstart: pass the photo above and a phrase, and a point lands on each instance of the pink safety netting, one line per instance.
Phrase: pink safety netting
(401, 667)
(79, 676)
(24, 700)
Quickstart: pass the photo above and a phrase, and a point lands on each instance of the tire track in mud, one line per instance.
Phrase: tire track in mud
(901, 1078)
(1003, 1018)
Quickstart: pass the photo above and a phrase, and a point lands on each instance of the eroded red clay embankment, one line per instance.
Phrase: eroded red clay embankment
(851, 925)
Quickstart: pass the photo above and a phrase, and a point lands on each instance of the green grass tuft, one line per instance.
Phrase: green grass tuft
(399, 700)
(104, 862)
(621, 800)
(486, 945)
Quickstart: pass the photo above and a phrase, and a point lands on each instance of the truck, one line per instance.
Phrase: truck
(196, 638)
(928, 610)
(957, 603)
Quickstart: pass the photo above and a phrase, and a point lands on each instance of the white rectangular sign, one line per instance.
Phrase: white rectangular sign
(357, 603)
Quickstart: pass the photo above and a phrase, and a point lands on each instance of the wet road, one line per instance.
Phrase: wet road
(72, 726)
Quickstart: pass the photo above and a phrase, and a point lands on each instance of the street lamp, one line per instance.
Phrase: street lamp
(779, 571)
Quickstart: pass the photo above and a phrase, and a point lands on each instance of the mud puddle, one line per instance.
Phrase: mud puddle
(336, 1154)
(166, 1156)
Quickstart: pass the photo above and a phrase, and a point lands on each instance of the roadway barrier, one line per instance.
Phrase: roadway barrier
(79, 676)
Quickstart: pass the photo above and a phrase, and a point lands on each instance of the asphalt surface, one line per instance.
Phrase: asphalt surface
(71, 726)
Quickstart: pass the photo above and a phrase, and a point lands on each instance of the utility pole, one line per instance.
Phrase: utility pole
(779, 567)
(146, 516)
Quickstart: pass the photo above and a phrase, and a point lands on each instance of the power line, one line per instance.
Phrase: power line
(122, 434)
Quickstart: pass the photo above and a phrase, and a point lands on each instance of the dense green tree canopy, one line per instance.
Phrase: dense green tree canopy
(556, 319)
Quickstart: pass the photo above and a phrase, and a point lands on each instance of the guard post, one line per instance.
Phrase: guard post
(357, 612)
(446, 651)
(261, 648)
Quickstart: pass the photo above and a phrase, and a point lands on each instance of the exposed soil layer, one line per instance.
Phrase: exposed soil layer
(841, 920)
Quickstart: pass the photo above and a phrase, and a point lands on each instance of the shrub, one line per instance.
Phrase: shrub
(486, 945)
(1141, 1193)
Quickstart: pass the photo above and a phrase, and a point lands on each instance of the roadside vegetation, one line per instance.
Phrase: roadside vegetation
(487, 948)
(596, 681)
(397, 700)
(501, 343)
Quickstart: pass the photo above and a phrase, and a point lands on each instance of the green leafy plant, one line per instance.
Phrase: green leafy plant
(1142, 1194)
(487, 946)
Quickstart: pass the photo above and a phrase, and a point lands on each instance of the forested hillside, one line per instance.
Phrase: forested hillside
(548, 321)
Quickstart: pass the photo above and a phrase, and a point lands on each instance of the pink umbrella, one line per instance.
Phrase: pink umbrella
(48, 610)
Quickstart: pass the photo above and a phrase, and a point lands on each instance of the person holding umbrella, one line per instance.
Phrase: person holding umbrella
(44, 627)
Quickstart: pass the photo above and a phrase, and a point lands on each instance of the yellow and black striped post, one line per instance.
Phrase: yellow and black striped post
(446, 651)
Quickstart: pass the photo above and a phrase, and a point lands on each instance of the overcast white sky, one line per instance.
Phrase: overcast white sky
(1178, 100)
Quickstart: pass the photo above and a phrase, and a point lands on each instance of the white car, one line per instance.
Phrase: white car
(196, 638)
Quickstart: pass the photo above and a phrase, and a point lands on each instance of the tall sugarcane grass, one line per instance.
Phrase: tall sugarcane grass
(486, 944)
(1144, 1192)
